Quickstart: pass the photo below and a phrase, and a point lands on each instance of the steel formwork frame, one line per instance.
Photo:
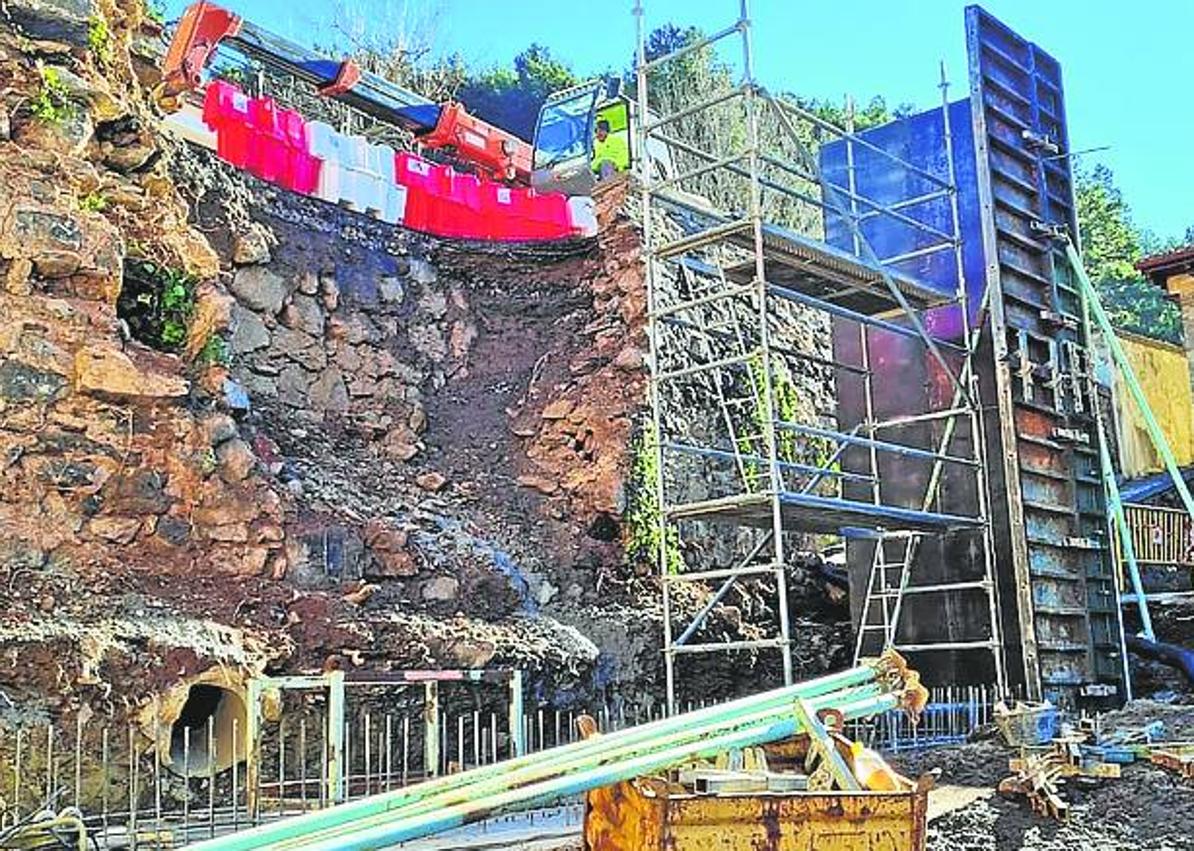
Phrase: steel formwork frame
(776, 269)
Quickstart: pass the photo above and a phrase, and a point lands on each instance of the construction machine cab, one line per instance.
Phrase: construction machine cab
(564, 134)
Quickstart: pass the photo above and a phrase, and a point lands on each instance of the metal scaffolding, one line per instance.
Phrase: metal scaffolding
(755, 261)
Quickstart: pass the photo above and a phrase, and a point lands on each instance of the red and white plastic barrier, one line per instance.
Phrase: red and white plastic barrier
(280, 146)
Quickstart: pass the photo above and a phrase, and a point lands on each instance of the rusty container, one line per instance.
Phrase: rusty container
(650, 814)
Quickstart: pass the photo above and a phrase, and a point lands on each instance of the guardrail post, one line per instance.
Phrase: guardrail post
(337, 769)
(431, 728)
(518, 742)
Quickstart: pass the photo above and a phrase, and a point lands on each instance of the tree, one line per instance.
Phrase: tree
(1112, 244)
(511, 97)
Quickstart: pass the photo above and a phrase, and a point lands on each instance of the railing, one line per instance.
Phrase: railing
(1161, 535)
(133, 796)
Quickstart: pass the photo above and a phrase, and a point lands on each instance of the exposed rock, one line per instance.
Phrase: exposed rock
(173, 530)
(400, 443)
(213, 313)
(52, 20)
(429, 341)
(292, 385)
(539, 483)
(304, 314)
(441, 588)
(218, 428)
(391, 559)
(328, 392)
(251, 246)
(390, 290)
(248, 331)
(129, 157)
(629, 359)
(118, 530)
(431, 481)
(558, 409)
(260, 289)
(236, 460)
(136, 492)
(331, 292)
(308, 283)
(300, 347)
(20, 382)
(16, 279)
(422, 272)
(234, 396)
(109, 371)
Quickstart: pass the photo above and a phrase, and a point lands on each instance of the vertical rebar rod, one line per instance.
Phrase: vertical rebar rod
(211, 774)
(106, 774)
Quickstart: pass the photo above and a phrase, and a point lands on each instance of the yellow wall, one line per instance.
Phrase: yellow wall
(1164, 374)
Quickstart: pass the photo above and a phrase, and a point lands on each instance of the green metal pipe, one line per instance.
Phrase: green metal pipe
(1091, 296)
(1115, 510)
(612, 752)
(264, 836)
(446, 818)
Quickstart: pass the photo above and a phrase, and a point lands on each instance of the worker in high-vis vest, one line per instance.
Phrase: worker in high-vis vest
(611, 154)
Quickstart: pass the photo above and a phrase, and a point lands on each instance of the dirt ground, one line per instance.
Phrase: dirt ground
(1145, 808)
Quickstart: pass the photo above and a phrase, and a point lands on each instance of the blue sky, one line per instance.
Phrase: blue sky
(1127, 67)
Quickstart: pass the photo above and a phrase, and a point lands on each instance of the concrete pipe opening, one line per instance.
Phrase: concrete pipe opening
(208, 732)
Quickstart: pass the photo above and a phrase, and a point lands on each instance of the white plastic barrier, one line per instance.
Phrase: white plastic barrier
(325, 144)
(582, 215)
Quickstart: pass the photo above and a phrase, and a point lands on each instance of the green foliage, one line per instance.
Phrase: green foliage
(1112, 244)
(511, 97)
(1140, 306)
(157, 303)
(93, 202)
(644, 526)
(790, 446)
(214, 352)
(155, 11)
(230, 73)
(52, 103)
(208, 463)
(99, 37)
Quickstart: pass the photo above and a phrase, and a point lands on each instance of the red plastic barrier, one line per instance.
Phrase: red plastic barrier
(268, 158)
(302, 168)
(226, 111)
(456, 208)
(415, 173)
(515, 214)
(548, 215)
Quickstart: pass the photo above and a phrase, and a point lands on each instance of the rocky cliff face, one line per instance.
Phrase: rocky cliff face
(239, 427)
(401, 454)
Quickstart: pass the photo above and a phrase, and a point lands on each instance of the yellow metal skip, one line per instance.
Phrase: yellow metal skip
(648, 815)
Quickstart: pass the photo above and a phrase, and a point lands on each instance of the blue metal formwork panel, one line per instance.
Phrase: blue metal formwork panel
(1061, 628)
(1060, 582)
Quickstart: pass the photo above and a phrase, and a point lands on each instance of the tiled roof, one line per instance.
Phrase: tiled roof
(1178, 257)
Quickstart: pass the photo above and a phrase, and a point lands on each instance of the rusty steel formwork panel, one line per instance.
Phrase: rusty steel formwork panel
(1060, 626)
(648, 815)
(1059, 599)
